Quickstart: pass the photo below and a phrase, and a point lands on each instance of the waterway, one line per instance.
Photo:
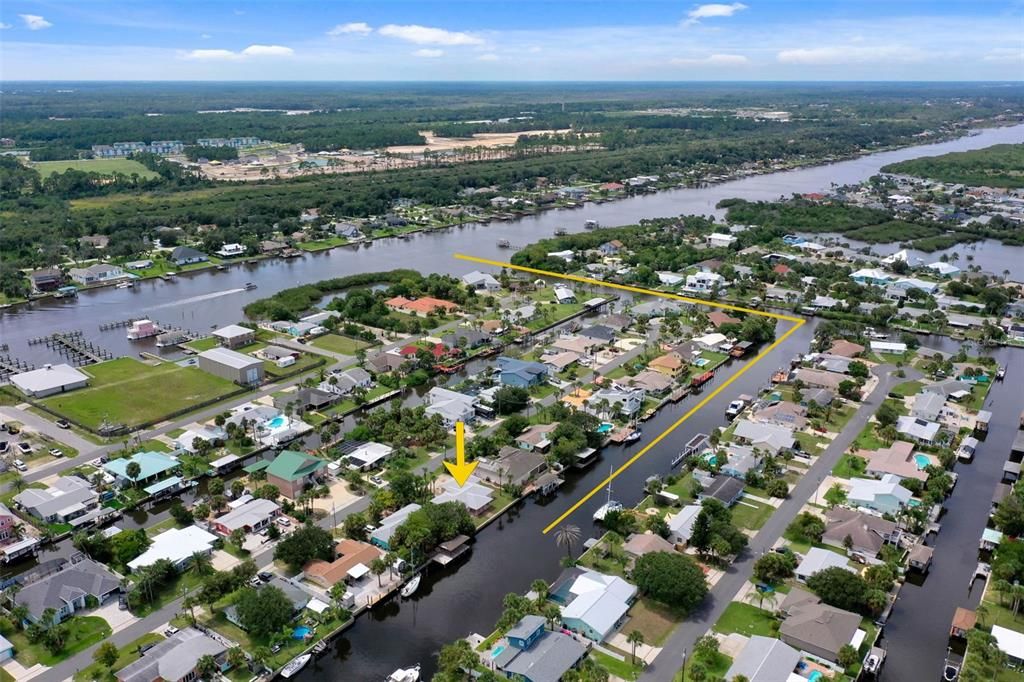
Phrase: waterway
(212, 298)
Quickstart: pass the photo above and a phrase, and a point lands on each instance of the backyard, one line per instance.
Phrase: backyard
(746, 619)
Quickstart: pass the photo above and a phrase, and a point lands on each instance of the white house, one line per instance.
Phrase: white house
(177, 545)
(883, 496)
(564, 294)
(719, 239)
(680, 524)
(481, 280)
(451, 405)
(671, 279)
(368, 455)
(703, 282)
(818, 559)
(231, 250)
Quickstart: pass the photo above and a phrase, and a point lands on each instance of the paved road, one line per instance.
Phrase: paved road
(47, 427)
(665, 667)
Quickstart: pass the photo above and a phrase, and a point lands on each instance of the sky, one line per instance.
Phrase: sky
(514, 40)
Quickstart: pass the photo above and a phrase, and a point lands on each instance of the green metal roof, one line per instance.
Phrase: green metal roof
(257, 466)
(291, 465)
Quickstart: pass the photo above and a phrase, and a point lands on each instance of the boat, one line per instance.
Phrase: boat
(295, 665)
(1001, 373)
(559, 231)
(736, 407)
(951, 668)
(319, 647)
(591, 225)
(405, 675)
(610, 505)
(504, 244)
(124, 285)
(410, 587)
(221, 268)
(249, 286)
(632, 436)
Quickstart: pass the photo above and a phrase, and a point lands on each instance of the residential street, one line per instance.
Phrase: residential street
(668, 663)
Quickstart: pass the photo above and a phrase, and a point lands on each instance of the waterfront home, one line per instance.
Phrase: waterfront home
(920, 430)
(885, 496)
(564, 294)
(232, 365)
(871, 276)
(347, 230)
(464, 337)
(680, 524)
(771, 438)
(290, 472)
(452, 406)
(231, 250)
(298, 597)
(783, 413)
(176, 545)
(670, 364)
(575, 344)
(867, 533)
(478, 281)
(536, 654)
(474, 495)
(1011, 643)
(818, 559)
(765, 659)
(381, 535)
(740, 460)
(606, 402)
(97, 273)
(558, 362)
(346, 381)
(717, 239)
(303, 400)
(704, 282)
(717, 318)
(639, 544)
(521, 373)
(670, 278)
(175, 658)
(367, 456)
(818, 378)
(594, 604)
(202, 433)
(819, 629)
(650, 381)
(536, 438)
(186, 255)
(611, 248)
(64, 500)
(351, 563)
(250, 516)
(725, 489)
(512, 466)
(712, 342)
(598, 332)
(234, 336)
(892, 347)
(152, 466)
(927, 405)
(898, 459)
(68, 591)
(49, 380)
(422, 306)
(846, 349)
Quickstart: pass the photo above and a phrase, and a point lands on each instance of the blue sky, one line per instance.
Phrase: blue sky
(511, 40)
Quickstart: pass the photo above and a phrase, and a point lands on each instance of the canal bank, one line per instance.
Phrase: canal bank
(202, 300)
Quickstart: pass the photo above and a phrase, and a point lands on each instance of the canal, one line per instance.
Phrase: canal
(212, 298)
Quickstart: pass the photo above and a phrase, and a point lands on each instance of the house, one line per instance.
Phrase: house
(67, 498)
(605, 402)
(303, 400)
(885, 496)
(8, 524)
(846, 349)
(559, 362)
(522, 373)
(920, 430)
(46, 279)
(481, 281)
(717, 239)
(927, 406)
(871, 276)
(97, 241)
(231, 250)
(473, 494)
(639, 544)
(818, 559)
(279, 355)
(231, 365)
(535, 654)
(595, 603)
(291, 472)
(893, 347)
(771, 438)
(69, 590)
(422, 306)
(575, 344)
(251, 516)
(6, 649)
(866, 532)
(817, 378)
(452, 406)
(536, 438)
(718, 318)
(740, 460)
(712, 342)
(670, 364)
(1010, 642)
(650, 381)
(819, 396)
(704, 282)
(186, 255)
(466, 338)
(680, 524)
(295, 594)
(49, 380)
(272, 246)
(176, 545)
(611, 248)
(381, 535)
(352, 561)
(764, 659)
(205, 434)
(783, 413)
(817, 628)
(368, 456)
(564, 294)
(175, 658)
(96, 274)
(898, 459)
(512, 466)
(234, 336)
(670, 278)
(152, 466)
(346, 381)
(725, 489)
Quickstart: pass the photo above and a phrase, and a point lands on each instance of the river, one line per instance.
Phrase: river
(213, 298)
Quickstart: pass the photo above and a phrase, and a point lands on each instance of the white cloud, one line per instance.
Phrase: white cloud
(206, 36)
(713, 10)
(360, 27)
(251, 51)
(489, 57)
(1004, 54)
(4, 26)
(210, 54)
(426, 35)
(428, 53)
(820, 56)
(34, 22)
(712, 60)
(268, 51)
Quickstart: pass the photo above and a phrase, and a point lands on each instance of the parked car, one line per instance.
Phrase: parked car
(63, 423)
(265, 576)
(26, 448)
(170, 631)
(19, 465)
(255, 581)
(56, 452)
(282, 521)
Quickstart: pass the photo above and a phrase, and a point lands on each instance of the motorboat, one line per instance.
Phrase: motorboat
(504, 244)
(559, 231)
(295, 665)
(127, 284)
(410, 587)
(1001, 373)
(591, 225)
(951, 667)
(249, 286)
(405, 675)
(737, 406)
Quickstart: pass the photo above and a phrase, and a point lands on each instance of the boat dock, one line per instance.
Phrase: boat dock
(74, 347)
(699, 442)
(9, 366)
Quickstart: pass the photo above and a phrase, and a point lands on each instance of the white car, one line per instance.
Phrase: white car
(170, 631)
(282, 521)
(19, 465)
(56, 453)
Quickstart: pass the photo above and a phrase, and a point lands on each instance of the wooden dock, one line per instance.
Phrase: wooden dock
(74, 347)
(9, 366)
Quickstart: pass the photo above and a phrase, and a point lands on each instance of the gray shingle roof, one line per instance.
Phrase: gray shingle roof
(173, 658)
(77, 580)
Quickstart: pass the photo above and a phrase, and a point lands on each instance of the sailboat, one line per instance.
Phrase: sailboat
(610, 504)
(410, 587)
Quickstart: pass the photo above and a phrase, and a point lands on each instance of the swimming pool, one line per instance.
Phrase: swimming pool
(922, 461)
(277, 422)
(711, 458)
(815, 676)
(605, 427)
(496, 651)
(301, 632)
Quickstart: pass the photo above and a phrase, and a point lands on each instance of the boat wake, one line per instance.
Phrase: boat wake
(196, 299)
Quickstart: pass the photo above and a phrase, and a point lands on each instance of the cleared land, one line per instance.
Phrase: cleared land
(101, 166)
(126, 391)
(439, 144)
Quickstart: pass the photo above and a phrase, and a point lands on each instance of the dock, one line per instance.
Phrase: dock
(74, 346)
(699, 442)
(9, 366)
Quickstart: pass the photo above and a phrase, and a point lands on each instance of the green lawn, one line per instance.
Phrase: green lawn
(199, 345)
(128, 654)
(322, 244)
(130, 392)
(810, 444)
(716, 667)
(750, 514)
(867, 440)
(622, 669)
(850, 466)
(746, 619)
(101, 166)
(83, 632)
(907, 388)
(336, 343)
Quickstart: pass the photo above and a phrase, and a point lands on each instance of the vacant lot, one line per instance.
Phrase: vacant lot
(126, 391)
(337, 343)
(101, 166)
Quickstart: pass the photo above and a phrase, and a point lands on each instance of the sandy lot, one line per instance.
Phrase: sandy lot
(441, 144)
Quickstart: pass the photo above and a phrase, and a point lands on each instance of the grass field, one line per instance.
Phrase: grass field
(101, 166)
(337, 343)
(746, 619)
(130, 392)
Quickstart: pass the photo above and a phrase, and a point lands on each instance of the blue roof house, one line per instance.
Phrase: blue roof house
(521, 373)
(152, 465)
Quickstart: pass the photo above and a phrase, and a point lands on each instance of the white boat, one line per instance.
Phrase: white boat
(610, 505)
(410, 587)
(591, 225)
(124, 285)
(295, 665)
(734, 409)
(633, 436)
(405, 675)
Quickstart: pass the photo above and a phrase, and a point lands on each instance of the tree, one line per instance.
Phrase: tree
(206, 666)
(238, 537)
(566, 536)
(635, 637)
(201, 564)
(775, 567)
(672, 579)
(264, 611)
(215, 486)
(106, 654)
(835, 495)
(806, 527)
(305, 544)
(510, 399)
(181, 515)
(840, 588)
(378, 567)
(132, 470)
(858, 370)
(201, 511)
(847, 656)
(777, 488)
(887, 415)
(354, 526)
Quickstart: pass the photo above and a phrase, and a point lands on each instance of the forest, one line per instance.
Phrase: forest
(1001, 165)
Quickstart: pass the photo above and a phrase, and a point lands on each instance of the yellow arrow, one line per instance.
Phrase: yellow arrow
(462, 469)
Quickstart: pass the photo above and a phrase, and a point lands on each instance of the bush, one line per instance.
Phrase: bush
(777, 488)
(775, 567)
(672, 579)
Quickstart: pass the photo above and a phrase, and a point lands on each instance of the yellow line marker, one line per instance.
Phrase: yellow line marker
(798, 322)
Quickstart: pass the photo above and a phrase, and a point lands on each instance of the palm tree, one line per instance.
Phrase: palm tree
(378, 566)
(635, 637)
(132, 471)
(982, 612)
(541, 588)
(567, 535)
(18, 483)
(201, 564)
(206, 666)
